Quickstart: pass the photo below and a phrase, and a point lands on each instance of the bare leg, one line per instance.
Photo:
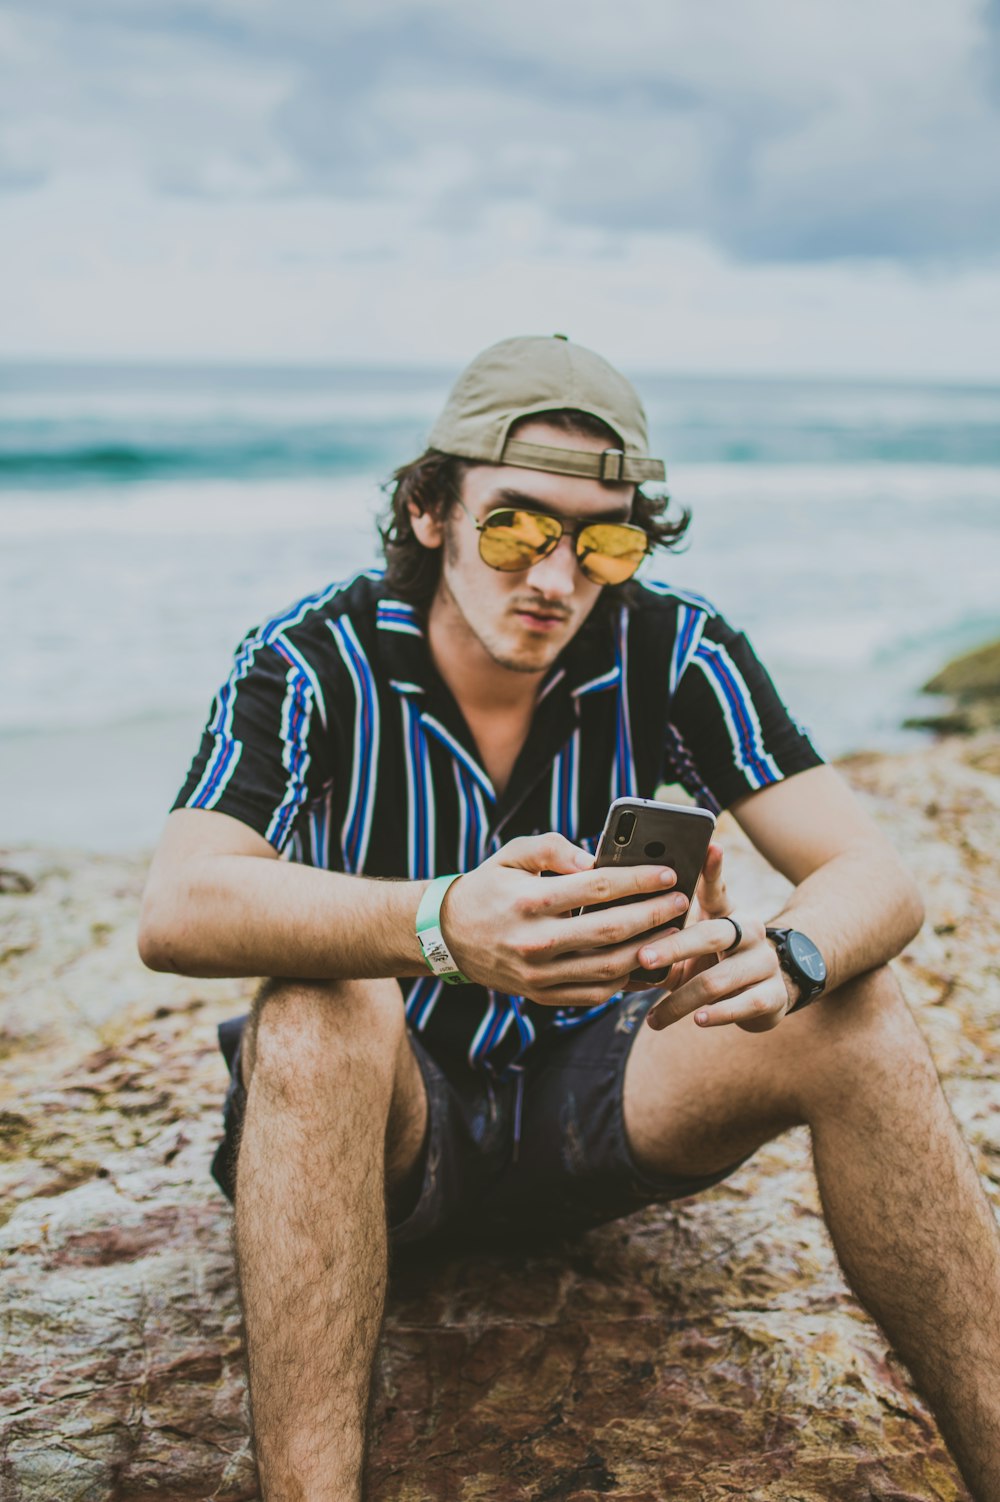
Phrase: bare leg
(918, 1243)
(914, 1233)
(334, 1092)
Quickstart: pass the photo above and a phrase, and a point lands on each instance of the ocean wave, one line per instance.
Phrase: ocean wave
(107, 460)
(56, 465)
(76, 427)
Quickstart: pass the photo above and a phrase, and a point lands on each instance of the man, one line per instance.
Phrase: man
(448, 1055)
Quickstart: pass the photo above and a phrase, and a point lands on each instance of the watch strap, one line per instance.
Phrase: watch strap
(439, 958)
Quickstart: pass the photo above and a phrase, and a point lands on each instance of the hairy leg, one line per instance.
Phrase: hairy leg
(335, 1101)
(914, 1233)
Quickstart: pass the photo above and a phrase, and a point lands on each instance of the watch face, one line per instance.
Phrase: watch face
(806, 956)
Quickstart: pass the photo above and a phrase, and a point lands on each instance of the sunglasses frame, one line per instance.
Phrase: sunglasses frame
(576, 531)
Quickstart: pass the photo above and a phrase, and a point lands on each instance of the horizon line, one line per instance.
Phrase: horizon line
(219, 365)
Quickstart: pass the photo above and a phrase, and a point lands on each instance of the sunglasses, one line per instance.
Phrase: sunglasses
(512, 539)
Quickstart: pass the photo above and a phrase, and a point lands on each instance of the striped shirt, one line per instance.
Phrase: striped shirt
(336, 739)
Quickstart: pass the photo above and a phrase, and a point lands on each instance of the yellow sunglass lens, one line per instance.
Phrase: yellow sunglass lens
(512, 540)
(610, 553)
(607, 552)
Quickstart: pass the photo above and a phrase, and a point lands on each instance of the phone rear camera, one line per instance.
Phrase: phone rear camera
(623, 833)
(655, 848)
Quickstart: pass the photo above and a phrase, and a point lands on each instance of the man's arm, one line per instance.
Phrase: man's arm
(852, 895)
(219, 902)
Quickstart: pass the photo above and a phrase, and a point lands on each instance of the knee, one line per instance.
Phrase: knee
(872, 1012)
(306, 1035)
(863, 1032)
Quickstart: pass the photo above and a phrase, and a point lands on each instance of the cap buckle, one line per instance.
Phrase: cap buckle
(612, 463)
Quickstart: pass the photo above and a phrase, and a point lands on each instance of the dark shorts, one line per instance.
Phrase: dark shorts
(539, 1153)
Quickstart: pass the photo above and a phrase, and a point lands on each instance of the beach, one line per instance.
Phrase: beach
(697, 1348)
(145, 523)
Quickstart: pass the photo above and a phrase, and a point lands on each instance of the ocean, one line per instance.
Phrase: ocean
(149, 516)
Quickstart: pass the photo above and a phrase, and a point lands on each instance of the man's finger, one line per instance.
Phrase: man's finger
(564, 894)
(612, 926)
(762, 1005)
(647, 921)
(715, 984)
(712, 897)
(545, 852)
(759, 1007)
(709, 936)
(716, 981)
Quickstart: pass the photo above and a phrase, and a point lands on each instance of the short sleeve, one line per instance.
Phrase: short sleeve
(263, 752)
(730, 732)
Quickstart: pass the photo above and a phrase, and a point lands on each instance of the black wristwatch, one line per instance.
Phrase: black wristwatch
(799, 958)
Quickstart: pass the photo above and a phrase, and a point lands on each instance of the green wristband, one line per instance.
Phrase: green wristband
(439, 957)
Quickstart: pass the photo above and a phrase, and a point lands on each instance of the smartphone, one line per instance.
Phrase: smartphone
(642, 832)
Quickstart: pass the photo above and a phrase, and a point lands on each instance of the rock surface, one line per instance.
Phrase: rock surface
(705, 1351)
(972, 683)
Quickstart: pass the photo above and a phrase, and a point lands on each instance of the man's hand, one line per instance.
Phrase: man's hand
(513, 930)
(746, 986)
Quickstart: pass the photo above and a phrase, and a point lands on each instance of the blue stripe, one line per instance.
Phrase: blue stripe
(482, 827)
(295, 659)
(564, 758)
(395, 615)
(596, 685)
(470, 819)
(525, 1030)
(430, 1002)
(407, 628)
(421, 862)
(222, 764)
(225, 746)
(297, 612)
(418, 802)
(691, 622)
(499, 1032)
(440, 733)
(421, 1000)
(297, 758)
(224, 752)
(572, 781)
(572, 1017)
(481, 1042)
(396, 607)
(500, 1014)
(562, 804)
(738, 702)
(365, 687)
(686, 596)
(623, 777)
(319, 834)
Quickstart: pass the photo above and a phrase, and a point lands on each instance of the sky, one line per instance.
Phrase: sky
(772, 186)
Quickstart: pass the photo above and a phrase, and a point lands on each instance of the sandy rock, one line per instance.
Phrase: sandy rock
(706, 1351)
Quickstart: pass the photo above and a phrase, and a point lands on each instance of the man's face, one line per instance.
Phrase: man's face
(523, 620)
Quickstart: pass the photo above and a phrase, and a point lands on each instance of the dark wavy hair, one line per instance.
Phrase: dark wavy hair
(434, 483)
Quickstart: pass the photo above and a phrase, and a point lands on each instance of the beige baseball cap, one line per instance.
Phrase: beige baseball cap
(526, 377)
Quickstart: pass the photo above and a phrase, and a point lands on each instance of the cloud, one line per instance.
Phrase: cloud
(779, 130)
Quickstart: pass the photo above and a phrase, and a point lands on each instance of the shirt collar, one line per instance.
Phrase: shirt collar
(589, 664)
(403, 646)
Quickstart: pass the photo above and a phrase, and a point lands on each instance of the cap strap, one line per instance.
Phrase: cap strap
(610, 466)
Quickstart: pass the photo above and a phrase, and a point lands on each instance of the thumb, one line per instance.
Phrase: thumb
(545, 852)
(713, 899)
